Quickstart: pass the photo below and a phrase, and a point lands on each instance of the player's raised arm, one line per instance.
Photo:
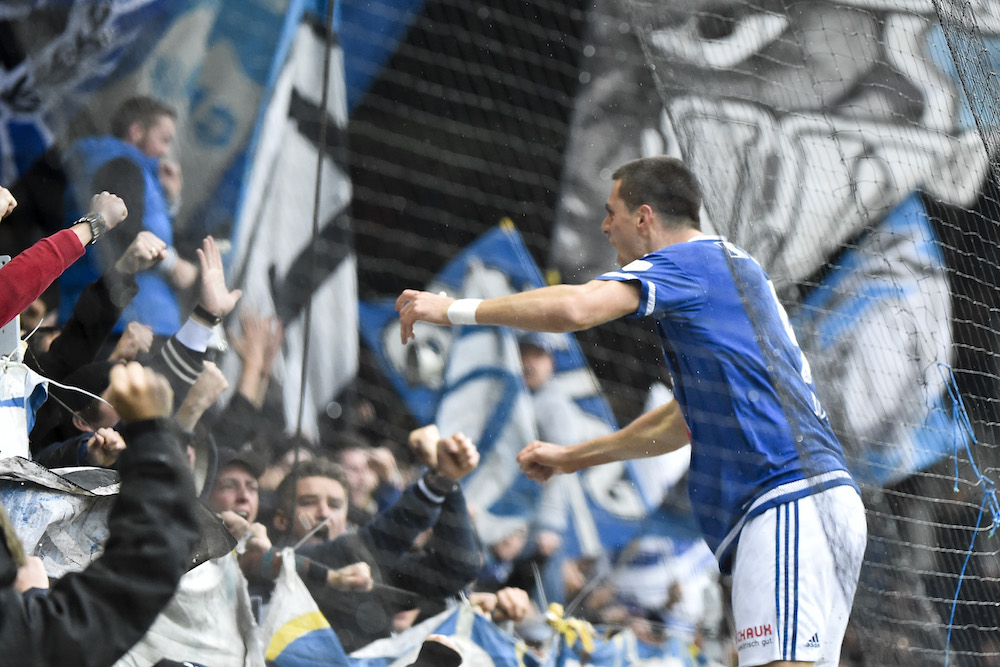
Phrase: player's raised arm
(656, 432)
(558, 308)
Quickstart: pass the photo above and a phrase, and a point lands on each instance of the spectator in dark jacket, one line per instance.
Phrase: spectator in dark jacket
(311, 508)
(62, 438)
(91, 618)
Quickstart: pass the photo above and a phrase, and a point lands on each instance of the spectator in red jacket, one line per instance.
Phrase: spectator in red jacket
(26, 276)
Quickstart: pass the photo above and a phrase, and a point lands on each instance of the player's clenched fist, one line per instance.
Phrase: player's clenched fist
(540, 460)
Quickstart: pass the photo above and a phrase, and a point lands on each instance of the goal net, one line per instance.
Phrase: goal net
(849, 146)
(346, 152)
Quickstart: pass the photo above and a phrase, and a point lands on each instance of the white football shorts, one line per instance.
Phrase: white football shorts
(794, 578)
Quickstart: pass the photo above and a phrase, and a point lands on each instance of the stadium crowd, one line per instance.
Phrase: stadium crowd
(380, 533)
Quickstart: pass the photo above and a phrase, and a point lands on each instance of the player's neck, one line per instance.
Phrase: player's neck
(667, 237)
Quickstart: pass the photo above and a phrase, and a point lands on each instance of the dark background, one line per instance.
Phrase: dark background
(467, 124)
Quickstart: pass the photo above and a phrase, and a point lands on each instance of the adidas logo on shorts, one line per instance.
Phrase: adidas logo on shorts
(813, 641)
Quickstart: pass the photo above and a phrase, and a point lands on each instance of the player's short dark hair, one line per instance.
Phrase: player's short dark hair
(665, 184)
(140, 109)
(284, 495)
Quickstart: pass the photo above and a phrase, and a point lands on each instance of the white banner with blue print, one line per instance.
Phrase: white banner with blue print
(469, 379)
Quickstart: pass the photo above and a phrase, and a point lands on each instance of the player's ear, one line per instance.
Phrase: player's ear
(645, 214)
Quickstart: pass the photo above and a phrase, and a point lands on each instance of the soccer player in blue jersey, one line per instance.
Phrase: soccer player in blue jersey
(768, 482)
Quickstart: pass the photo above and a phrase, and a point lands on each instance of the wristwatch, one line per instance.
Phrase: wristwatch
(438, 483)
(98, 225)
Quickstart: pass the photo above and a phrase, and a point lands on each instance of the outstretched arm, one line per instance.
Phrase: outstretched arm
(452, 558)
(656, 432)
(558, 308)
(30, 273)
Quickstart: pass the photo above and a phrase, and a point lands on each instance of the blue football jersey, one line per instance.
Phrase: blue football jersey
(758, 432)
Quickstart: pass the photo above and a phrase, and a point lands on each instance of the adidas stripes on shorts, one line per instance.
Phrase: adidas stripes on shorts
(794, 578)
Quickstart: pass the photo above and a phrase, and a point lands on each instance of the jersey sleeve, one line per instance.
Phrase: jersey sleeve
(664, 287)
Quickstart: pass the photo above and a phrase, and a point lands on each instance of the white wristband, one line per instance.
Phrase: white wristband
(463, 311)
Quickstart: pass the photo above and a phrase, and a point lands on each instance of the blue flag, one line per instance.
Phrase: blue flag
(469, 379)
(479, 640)
(294, 632)
(875, 329)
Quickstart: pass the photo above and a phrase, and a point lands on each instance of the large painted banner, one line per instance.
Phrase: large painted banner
(81, 59)
(822, 135)
(807, 128)
(245, 78)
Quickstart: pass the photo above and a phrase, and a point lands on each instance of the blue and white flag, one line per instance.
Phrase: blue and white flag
(469, 379)
(294, 632)
(216, 61)
(875, 329)
(22, 392)
(479, 640)
(576, 642)
(78, 48)
(197, 55)
(283, 267)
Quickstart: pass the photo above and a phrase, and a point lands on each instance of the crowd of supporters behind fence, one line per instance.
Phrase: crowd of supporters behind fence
(382, 533)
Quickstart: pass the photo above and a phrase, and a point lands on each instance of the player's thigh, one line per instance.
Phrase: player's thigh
(794, 578)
